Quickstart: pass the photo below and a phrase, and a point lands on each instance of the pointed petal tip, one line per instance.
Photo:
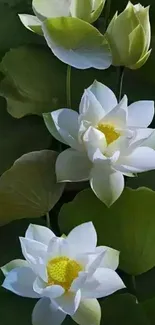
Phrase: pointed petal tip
(21, 239)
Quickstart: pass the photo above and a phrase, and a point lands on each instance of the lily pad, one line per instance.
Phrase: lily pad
(34, 87)
(29, 188)
(128, 225)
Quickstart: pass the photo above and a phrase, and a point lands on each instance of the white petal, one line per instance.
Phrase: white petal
(83, 127)
(150, 142)
(83, 57)
(85, 260)
(104, 282)
(53, 291)
(83, 238)
(49, 122)
(106, 183)
(90, 109)
(94, 139)
(66, 123)
(58, 247)
(111, 257)
(72, 166)
(78, 282)
(140, 114)
(39, 233)
(94, 262)
(32, 248)
(125, 170)
(104, 95)
(140, 160)
(20, 281)
(90, 261)
(45, 313)
(39, 285)
(98, 57)
(140, 135)
(118, 115)
(51, 9)
(35, 253)
(88, 313)
(69, 302)
(121, 144)
(12, 265)
(29, 20)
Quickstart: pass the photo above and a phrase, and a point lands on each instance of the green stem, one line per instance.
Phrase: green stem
(48, 223)
(68, 86)
(120, 83)
(107, 13)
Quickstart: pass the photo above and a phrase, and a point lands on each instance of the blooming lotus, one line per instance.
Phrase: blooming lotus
(108, 140)
(129, 36)
(66, 26)
(67, 274)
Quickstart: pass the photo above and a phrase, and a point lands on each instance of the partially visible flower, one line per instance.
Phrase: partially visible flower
(66, 26)
(86, 10)
(129, 36)
(107, 140)
(68, 274)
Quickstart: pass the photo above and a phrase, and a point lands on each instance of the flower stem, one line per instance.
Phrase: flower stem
(120, 82)
(68, 86)
(48, 223)
(107, 13)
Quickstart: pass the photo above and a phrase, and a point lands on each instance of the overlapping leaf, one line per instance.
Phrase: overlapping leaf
(29, 188)
(34, 87)
(127, 226)
(18, 137)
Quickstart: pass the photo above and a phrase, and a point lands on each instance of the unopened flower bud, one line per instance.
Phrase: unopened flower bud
(129, 36)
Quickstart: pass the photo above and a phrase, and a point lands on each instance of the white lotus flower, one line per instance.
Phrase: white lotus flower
(68, 274)
(107, 140)
(66, 26)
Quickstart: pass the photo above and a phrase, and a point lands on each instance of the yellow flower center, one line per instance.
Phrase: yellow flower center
(109, 131)
(62, 271)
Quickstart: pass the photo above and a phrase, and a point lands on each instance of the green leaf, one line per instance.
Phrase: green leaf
(143, 179)
(145, 285)
(149, 308)
(12, 265)
(34, 87)
(127, 226)
(123, 310)
(17, 3)
(29, 188)
(18, 104)
(20, 136)
(12, 33)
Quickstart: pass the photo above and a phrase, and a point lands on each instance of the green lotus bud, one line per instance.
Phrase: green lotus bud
(88, 10)
(129, 36)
